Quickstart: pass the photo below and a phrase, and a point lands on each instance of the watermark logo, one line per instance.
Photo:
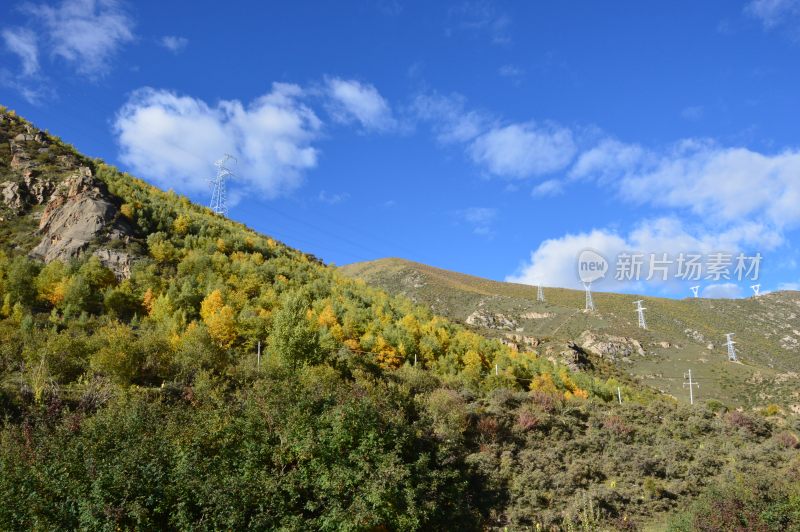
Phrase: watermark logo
(637, 266)
(592, 266)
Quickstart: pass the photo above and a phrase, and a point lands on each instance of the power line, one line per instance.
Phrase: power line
(324, 231)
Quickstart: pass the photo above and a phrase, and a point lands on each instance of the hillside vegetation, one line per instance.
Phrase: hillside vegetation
(681, 334)
(133, 395)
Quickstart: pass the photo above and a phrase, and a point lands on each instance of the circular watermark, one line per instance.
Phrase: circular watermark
(592, 266)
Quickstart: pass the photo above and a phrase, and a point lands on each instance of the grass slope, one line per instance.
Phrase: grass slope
(767, 329)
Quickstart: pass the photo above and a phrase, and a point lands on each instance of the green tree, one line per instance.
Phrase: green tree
(293, 339)
(21, 280)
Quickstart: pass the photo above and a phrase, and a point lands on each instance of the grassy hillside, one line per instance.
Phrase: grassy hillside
(681, 335)
(132, 395)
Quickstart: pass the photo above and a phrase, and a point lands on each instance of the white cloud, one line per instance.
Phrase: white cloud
(86, 33)
(22, 42)
(332, 198)
(174, 43)
(722, 291)
(607, 160)
(480, 17)
(28, 80)
(173, 139)
(772, 13)
(789, 286)
(352, 100)
(524, 150)
(721, 199)
(693, 112)
(480, 218)
(510, 71)
(554, 262)
(514, 150)
(715, 183)
(551, 187)
(448, 115)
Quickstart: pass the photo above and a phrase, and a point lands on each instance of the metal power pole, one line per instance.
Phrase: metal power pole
(691, 384)
(731, 350)
(640, 310)
(218, 192)
(589, 301)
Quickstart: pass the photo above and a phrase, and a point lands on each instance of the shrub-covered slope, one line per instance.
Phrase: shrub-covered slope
(132, 394)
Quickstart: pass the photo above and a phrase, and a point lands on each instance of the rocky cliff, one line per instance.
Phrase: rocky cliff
(80, 215)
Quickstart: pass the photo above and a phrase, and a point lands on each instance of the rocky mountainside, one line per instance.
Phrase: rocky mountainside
(681, 335)
(44, 184)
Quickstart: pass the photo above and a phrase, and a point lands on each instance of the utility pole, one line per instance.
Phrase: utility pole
(640, 310)
(258, 356)
(619, 395)
(218, 192)
(496, 370)
(731, 349)
(691, 384)
(589, 301)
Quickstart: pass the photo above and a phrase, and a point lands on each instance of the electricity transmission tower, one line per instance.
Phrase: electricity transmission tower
(756, 289)
(695, 289)
(218, 204)
(691, 384)
(640, 310)
(731, 349)
(589, 301)
(539, 293)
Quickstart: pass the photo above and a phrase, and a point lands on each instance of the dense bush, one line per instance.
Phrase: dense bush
(298, 451)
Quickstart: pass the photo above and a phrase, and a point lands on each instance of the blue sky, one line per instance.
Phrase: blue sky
(494, 138)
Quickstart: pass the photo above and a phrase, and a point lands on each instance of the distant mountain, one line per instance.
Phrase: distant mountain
(681, 334)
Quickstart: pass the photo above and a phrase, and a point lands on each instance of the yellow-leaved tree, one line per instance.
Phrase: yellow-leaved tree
(219, 318)
(51, 283)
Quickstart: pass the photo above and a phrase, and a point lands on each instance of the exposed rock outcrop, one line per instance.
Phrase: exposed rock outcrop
(610, 347)
(18, 196)
(79, 212)
(117, 261)
(12, 196)
(571, 355)
(520, 342)
(483, 318)
(536, 315)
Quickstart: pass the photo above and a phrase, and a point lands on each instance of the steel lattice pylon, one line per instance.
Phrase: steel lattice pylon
(218, 192)
(640, 310)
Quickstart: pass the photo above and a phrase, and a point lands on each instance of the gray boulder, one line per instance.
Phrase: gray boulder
(13, 195)
(79, 212)
(610, 347)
